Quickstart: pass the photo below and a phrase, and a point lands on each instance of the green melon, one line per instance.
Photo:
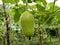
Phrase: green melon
(27, 23)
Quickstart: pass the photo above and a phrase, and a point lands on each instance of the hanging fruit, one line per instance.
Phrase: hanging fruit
(27, 23)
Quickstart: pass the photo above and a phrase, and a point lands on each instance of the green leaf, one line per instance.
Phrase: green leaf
(10, 1)
(21, 8)
(16, 1)
(17, 15)
(5, 1)
(39, 2)
(56, 18)
(29, 1)
(40, 8)
(18, 11)
(33, 6)
(51, 6)
(44, 2)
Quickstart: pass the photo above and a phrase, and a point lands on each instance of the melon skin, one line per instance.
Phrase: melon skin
(27, 23)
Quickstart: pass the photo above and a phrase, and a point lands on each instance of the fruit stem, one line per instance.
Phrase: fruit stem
(29, 40)
(26, 4)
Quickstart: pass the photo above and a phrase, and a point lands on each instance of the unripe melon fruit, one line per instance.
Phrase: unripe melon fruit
(27, 23)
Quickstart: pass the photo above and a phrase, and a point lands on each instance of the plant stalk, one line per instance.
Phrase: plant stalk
(7, 25)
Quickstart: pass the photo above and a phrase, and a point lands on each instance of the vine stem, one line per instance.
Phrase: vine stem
(7, 25)
(39, 33)
(51, 12)
(53, 5)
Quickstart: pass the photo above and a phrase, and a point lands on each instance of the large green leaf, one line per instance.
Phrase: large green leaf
(17, 15)
(18, 11)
